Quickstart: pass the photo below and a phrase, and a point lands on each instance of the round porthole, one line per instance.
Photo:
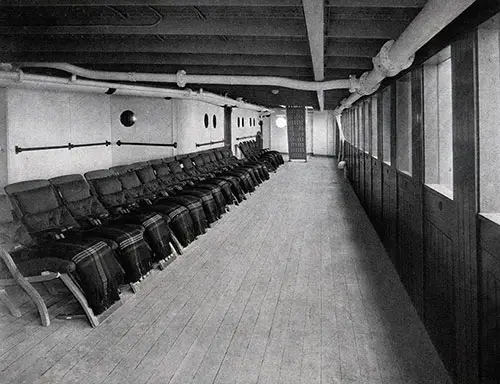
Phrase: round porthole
(280, 122)
(128, 118)
(206, 120)
(214, 121)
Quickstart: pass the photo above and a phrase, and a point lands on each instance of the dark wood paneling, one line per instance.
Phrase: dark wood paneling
(368, 182)
(463, 58)
(410, 239)
(489, 253)
(440, 211)
(439, 292)
(389, 211)
(376, 198)
(490, 317)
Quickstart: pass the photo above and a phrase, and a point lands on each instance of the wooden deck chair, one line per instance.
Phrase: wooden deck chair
(24, 273)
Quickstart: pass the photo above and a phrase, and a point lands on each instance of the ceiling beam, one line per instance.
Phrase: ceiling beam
(365, 29)
(314, 13)
(168, 59)
(110, 43)
(348, 62)
(180, 3)
(353, 48)
(377, 3)
(176, 26)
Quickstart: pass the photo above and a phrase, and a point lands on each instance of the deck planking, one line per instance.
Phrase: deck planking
(292, 286)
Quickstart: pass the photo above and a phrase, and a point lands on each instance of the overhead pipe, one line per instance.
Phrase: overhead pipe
(19, 79)
(396, 56)
(181, 78)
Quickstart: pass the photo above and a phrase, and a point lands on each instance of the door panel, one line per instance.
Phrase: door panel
(296, 123)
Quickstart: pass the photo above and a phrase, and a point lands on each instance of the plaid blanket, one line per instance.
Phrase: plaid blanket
(97, 271)
(193, 205)
(132, 249)
(216, 192)
(210, 207)
(156, 232)
(224, 180)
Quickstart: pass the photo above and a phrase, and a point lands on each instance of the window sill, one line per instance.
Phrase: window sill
(441, 189)
(493, 217)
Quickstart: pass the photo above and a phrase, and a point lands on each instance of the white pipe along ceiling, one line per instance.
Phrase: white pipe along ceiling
(19, 79)
(394, 57)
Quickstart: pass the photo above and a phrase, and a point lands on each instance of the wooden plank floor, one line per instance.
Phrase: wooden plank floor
(292, 286)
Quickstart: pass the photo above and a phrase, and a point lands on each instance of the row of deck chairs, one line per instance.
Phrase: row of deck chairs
(110, 227)
(252, 152)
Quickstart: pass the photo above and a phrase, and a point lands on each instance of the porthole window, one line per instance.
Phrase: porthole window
(238, 122)
(242, 121)
(128, 118)
(281, 122)
(206, 120)
(214, 121)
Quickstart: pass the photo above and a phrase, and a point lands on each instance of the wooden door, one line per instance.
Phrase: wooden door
(296, 123)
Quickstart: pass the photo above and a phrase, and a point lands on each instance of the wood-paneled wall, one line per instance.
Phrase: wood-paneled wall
(446, 254)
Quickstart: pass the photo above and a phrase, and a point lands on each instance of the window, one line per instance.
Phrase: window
(386, 125)
(438, 123)
(361, 128)
(281, 121)
(403, 124)
(214, 121)
(489, 116)
(374, 133)
(366, 128)
(206, 120)
(239, 122)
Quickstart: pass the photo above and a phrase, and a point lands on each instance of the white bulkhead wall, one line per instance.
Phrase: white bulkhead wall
(320, 133)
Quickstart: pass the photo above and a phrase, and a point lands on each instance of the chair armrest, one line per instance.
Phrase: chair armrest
(35, 267)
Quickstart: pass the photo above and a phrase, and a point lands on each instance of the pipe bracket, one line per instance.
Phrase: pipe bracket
(353, 83)
(132, 77)
(365, 88)
(181, 78)
(387, 67)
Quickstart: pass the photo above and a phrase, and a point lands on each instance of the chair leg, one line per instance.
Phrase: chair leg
(177, 244)
(4, 298)
(75, 290)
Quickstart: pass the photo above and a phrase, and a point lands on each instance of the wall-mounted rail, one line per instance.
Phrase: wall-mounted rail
(19, 149)
(246, 137)
(119, 143)
(209, 143)
(106, 143)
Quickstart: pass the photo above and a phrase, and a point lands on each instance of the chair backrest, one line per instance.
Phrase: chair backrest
(39, 207)
(186, 162)
(206, 158)
(147, 176)
(108, 188)
(78, 198)
(198, 161)
(218, 154)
